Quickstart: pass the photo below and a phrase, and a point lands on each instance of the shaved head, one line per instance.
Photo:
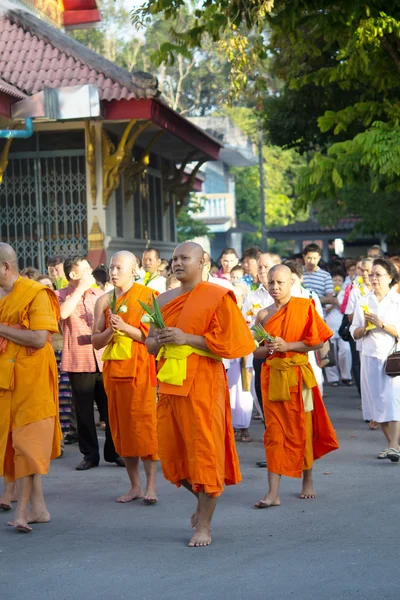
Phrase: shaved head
(7, 254)
(191, 248)
(188, 263)
(280, 284)
(125, 256)
(9, 272)
(282, 270)
(123, 267)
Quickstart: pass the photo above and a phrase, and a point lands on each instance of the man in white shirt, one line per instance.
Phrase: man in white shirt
(151, 262)
(255, 301)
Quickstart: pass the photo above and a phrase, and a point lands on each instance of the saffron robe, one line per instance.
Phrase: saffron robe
(195, 434)
(294, 438)
(131, 397)
(30, 433)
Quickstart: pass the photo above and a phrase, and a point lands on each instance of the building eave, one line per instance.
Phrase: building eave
(167, 119)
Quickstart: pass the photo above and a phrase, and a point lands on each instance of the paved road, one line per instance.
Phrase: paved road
(344, 545)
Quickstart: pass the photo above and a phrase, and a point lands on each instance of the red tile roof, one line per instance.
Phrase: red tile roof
(34, 55)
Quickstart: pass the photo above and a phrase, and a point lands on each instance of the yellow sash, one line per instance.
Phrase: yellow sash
(120, 347)
(173, 370)
(283, 376)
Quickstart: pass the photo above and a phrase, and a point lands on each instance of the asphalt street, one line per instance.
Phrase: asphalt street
(342, 545)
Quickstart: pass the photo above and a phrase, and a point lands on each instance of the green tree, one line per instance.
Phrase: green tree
(281, 168)
(349, 54)
(192, 85)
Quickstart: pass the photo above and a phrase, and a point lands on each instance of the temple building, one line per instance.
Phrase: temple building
(93, 167)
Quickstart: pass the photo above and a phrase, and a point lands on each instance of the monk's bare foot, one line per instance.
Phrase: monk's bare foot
(20, 525)
(39, 517)
(201, 538)
(133, 494)
(150, 496)
(6, 500)
(268, 501)
(307, 492)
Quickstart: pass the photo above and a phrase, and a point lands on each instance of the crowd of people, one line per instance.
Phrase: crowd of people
(79, 337)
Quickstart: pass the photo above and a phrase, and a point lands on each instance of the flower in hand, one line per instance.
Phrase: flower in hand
(373, 320)
(170, 335)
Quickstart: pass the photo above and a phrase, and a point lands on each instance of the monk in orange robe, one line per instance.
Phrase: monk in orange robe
(195, 434)
(298, 429)
(127, 381)
(30, 433)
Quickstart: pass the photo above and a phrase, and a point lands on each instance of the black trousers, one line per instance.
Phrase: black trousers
(356, 366)
(257, 364)
(88, 388)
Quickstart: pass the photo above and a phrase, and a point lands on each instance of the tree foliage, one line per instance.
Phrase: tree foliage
(341, 60)
(193, 85)
(188, 227)
(235, 27)
(281, 168)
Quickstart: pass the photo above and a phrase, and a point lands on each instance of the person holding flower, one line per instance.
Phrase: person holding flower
(298, 429)
(203, 324)
(151, 261)
(127, 369)
(376, 324)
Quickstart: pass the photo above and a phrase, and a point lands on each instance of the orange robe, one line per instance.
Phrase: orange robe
(195, 435)
(294, 438)
(131, 397)
(30, 433)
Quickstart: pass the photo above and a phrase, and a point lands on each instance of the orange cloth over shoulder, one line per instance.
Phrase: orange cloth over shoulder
(195, 435)
(288, 428)
(131, 396)
(28, 382)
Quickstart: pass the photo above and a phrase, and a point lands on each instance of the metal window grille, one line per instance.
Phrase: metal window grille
(43, 207)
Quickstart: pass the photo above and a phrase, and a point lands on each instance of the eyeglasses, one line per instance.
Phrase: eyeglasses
(378, 275)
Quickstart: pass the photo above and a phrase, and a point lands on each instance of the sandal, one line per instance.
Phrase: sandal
(245, 438)
(383, 454)
(393, 455)
(373, 425)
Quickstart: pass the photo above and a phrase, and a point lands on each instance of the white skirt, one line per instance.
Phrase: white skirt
(241, 401)
(380, 394)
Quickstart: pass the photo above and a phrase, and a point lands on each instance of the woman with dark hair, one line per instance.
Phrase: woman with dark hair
(377, 324)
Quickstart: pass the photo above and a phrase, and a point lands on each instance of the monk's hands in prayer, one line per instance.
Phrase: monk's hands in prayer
(170, 335)
(118, 324)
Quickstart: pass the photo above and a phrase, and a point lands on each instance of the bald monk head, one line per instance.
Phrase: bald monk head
(265, 261)
(188, 263)
(123, 267)
(279, 284)
(8, 267)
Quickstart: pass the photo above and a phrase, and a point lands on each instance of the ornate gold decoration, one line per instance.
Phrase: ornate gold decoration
(177, 188)
(96, 236)
(116, 161)
(4, 158)
(135, 169)
(91, 158)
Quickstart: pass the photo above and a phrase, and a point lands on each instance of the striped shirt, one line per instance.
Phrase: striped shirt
(318, 281)
(78, 354)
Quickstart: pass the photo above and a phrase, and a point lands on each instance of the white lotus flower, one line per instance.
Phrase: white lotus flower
(123, 309)
(146, 319)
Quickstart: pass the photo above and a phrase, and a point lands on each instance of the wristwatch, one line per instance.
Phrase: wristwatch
(383, 325)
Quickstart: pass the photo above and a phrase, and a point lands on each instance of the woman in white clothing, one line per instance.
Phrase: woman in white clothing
(380, 394)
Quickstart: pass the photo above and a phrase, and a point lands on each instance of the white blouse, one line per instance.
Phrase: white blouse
(377, 343)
